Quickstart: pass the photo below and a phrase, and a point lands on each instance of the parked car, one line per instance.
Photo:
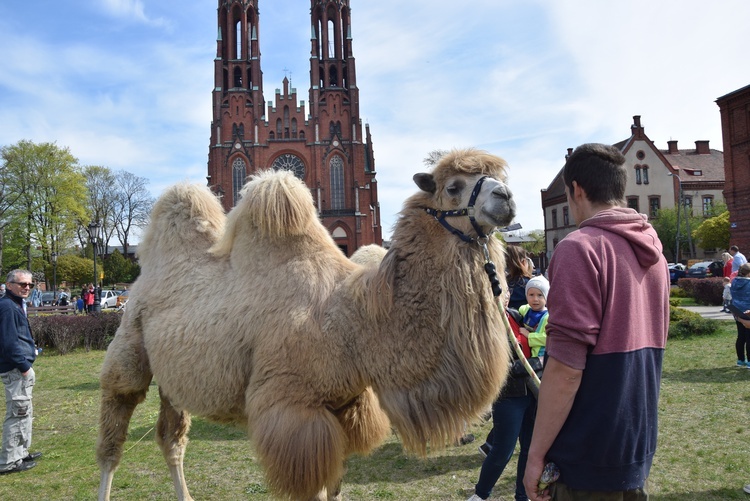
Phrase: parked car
(122, 298)
(48, 298)
(706, 269)
(676, 272)
(109, 298)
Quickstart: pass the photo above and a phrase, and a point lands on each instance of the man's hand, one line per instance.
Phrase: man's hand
(534, 467)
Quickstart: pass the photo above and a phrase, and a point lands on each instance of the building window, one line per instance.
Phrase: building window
(708, 206)
(239, 173)
(637, 174)
(237, 77)
(337, 183)
(645, 174)
(633, 203)
(640, 155)
(566, 217)
(554, 218)
(688, 204)
(654, 204)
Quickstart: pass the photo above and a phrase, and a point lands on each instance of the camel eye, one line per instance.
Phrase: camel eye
(454, 189)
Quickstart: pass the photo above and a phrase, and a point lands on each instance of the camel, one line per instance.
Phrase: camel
(317, 356)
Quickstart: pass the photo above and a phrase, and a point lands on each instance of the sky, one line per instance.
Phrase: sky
(127, 83)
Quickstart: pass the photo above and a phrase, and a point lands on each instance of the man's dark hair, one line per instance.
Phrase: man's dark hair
(734, 248)
(600, 170)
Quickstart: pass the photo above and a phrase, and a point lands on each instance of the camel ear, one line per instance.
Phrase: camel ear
(425, 182)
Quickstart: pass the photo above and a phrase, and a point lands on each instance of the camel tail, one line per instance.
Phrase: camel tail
(185, 218)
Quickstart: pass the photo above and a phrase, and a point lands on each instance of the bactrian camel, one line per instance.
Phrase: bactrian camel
(316, 355)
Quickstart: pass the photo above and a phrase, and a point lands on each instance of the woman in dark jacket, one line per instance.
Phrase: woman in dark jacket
(518, 274)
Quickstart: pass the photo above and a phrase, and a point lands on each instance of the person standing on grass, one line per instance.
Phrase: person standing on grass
(17, 354)
(609, 316)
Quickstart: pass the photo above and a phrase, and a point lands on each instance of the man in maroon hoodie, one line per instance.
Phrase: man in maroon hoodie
(609, 316)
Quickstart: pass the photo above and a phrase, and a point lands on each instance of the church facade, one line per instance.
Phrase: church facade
(323, 142)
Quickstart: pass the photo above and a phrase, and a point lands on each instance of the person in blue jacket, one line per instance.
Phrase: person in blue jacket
(17, 355)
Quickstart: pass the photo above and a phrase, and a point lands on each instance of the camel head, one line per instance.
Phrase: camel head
(466, 193)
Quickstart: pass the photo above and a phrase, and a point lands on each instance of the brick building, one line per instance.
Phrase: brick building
(657, 178)
(735, 129)
(322, 143)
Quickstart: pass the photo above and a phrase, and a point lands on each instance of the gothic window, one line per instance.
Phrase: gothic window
(654, 204)
(637, 174)
(294, 128)
(286, 122)
(337, 182)
(279, 129)
(238, 40)
(237, 77)
(249, 79)
(290, 162)
(331, 39)
(239, 173)
(333, 77)
(645, 174)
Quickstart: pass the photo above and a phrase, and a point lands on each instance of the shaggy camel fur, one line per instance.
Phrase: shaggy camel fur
(320, 354)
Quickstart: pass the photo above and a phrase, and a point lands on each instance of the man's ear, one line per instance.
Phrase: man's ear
(578, 192)
(425, 182)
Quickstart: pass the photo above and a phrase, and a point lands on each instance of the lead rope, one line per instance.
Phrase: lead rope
(491, 270)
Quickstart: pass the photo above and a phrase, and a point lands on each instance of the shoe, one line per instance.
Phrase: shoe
(746, 488)
(33, 456)
(19, 467)
(485, 449)
(477, 498)
(741, 363)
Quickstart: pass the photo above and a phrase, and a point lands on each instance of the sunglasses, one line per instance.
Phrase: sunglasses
(24, 284)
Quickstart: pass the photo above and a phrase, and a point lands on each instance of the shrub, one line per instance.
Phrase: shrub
(68, 332)
(684, 323)
(687, 284)
(708, 291)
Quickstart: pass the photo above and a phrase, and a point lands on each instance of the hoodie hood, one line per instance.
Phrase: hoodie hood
(634, 228)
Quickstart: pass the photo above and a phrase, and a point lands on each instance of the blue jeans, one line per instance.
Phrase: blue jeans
(512, 420)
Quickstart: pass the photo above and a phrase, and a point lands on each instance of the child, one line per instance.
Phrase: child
(726, 295)
(79, 304)
(535, 315)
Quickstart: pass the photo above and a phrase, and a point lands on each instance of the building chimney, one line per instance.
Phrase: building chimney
(701, 147)
(637, 121)
(672, 147)
(570, 152)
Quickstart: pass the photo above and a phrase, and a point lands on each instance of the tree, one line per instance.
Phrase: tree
(117, 268)
(434, 157)
(51, 192)
(102, 191)
(713, 233)
(538, 245)
(133, 204)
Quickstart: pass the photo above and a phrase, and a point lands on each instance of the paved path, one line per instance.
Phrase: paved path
(713, 312)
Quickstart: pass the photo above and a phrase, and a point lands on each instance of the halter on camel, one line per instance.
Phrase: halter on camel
(489, 267)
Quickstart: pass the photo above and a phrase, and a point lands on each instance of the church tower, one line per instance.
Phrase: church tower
(325, 146)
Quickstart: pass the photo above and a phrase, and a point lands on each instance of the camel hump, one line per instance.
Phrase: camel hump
(274, 205)
(186, 216)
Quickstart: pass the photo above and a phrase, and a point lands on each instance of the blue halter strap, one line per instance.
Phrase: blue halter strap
(468, 211)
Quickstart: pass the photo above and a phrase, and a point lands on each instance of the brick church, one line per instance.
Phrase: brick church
(322, 142)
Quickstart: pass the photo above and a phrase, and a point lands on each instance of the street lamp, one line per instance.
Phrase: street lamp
(93, 230)
(54, 286)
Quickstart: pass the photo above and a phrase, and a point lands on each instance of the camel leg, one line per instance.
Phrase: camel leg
(124, 381)
(116, 411)
(171, 435)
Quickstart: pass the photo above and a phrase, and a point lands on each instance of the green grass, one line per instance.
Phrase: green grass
(703, 446)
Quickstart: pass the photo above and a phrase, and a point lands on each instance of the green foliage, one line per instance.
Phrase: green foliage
(713, 233)
(684, 323)
(538, 245)
(708, 291)
(119, 269)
